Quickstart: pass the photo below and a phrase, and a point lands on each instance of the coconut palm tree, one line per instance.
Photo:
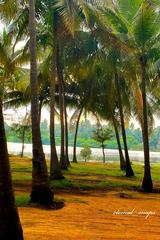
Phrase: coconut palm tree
(13, 10)
(55, 171)
(77, 51)
(60, 24)
(137, 33)
(41, 191)
(129, 170)
(76, 133)
(10, 226)
(121, 156)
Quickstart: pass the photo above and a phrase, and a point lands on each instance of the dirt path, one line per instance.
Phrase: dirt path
(90, 217)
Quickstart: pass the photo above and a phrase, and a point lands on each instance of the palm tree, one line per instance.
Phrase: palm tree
(76, 133)
(129, 171)
(76, 52)
(55, 171)
(70, 17)
(121, 156)
(41, 191)
(63, 160)
(60, 26)
(137, 33)
(49, 40)
(10, 226)
(66, 130)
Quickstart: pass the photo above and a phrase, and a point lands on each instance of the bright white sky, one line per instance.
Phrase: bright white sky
(1, 27)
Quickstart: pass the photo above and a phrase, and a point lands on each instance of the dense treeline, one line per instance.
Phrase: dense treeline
(85, 136)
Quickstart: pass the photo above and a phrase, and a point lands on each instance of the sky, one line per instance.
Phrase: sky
(11, 116)
(1, 27)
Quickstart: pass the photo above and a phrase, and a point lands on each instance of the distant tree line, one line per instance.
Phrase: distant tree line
(85, 136)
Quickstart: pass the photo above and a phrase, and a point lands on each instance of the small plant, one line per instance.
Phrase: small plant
(86, 153)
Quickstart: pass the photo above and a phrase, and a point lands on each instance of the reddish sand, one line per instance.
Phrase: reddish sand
(89, 216)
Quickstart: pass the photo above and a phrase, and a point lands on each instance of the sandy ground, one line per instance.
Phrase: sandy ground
(95, 216)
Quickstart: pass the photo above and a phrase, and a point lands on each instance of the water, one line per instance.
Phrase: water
(111, 154)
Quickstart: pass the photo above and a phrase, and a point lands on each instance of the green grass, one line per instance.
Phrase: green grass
(23, 200)
(86, 176)
(21, 177)
(100, 169)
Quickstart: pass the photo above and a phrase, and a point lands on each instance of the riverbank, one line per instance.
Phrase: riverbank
(111, 154)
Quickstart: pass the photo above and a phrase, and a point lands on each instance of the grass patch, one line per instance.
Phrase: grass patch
(63, 183)
(21, 177)
(22, 201)
(86, 176)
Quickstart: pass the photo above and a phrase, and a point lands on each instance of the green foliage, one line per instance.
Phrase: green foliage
(23, 132)
(102, 134)
(146, 24)
(134, 137)
(86, 153)
(128, 8)
(22, 201)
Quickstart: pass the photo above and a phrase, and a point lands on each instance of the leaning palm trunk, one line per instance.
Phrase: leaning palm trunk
(10, 226)
(75, 136)
(41, 193)
(122, 161)
(40, 109)
(129, 170)
(63, 162)
(147, 180)
(66, 129)
(103, 152)
(55, 171)
(23, 140)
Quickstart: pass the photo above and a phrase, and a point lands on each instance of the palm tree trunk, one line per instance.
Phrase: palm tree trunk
(23, 140)
(41, 193)
(10, 226)
(129, 170)
(55, 171)
(75, 136)
(66, 129)
(65, 125)
(147, 180)
(63, 162)
(122, 161)
(40, 109)
(104, 158)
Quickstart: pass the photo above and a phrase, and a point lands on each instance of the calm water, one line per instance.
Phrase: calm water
(111, 155)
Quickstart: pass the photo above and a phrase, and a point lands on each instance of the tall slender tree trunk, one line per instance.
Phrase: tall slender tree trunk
(129, 170)
(121, 157)
(103, 151)
(55, 170)
(40, 110)
(41, 193)
(23, 140)
(63, 162)
(147, 184)
(65, 124)
(66, 133)
(10, 226)
(75, 136)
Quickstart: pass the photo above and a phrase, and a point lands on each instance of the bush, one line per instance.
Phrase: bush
(86, 153)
